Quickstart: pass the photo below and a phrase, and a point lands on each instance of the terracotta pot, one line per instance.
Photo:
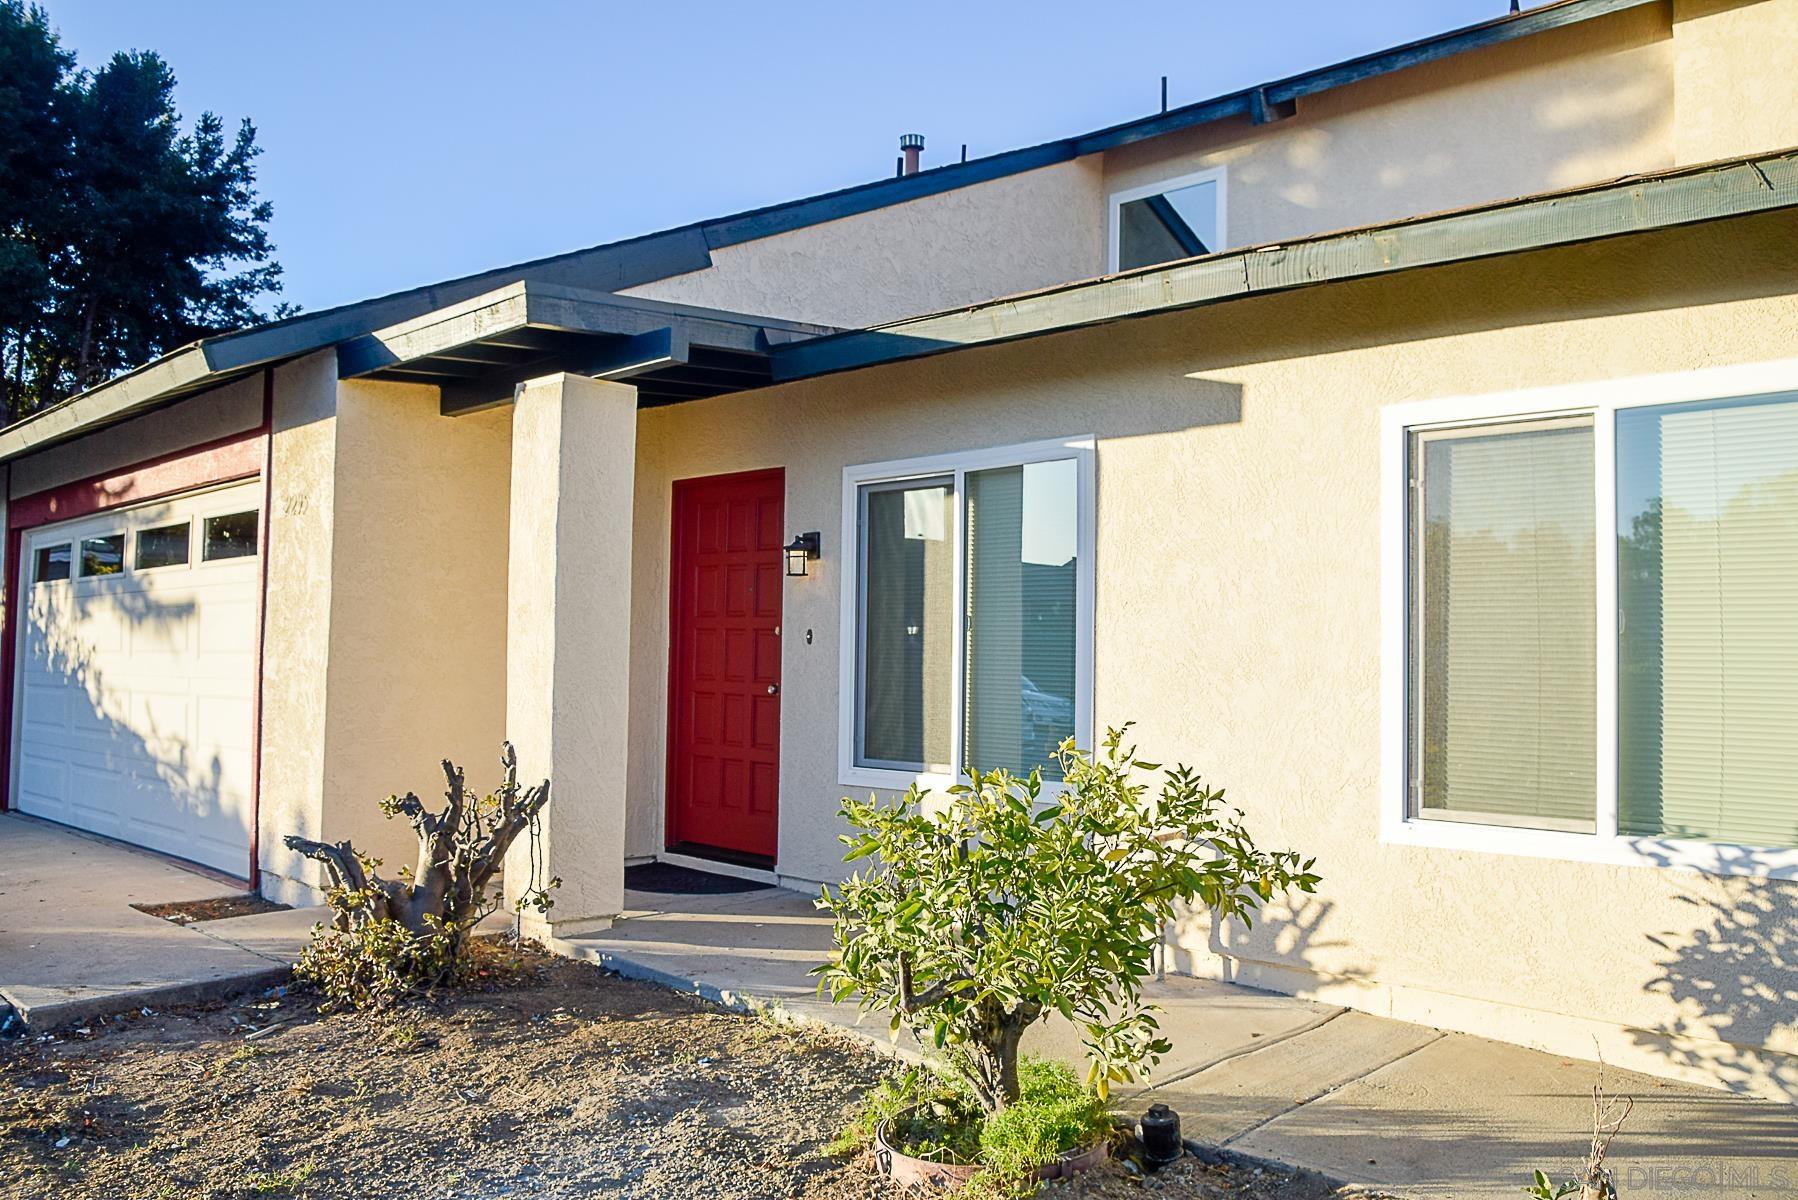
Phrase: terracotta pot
(921, 1174)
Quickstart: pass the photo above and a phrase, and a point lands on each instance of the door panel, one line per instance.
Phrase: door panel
(135, 685)
(724, 662)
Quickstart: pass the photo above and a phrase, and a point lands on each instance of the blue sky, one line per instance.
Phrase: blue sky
(411, 142)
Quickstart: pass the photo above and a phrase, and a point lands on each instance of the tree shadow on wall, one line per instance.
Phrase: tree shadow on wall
(1733, 977)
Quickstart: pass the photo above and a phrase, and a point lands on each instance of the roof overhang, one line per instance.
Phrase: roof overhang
(479, 351)
(1640, 204)
(172, 377)
(618, 266)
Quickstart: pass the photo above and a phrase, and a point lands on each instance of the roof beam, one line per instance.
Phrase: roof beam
(620, 359)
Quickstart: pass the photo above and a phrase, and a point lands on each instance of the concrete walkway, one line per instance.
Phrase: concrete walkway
(72, 947)
(1369, 1101)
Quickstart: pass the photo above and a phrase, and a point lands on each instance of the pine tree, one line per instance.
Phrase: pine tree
(121, 236)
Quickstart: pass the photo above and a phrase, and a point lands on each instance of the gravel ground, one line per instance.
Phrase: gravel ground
(558, 1080)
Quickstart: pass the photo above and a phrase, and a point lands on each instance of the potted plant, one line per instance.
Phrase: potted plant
(983, 911)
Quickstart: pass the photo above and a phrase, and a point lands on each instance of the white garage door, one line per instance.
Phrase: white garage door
(137, 653)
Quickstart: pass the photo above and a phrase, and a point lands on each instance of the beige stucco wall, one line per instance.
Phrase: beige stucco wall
(1585, 103)
(220, 412)
(1009, 235)
(297, 621)
(1735, 92)
(1238, 617)
(387, 610)
(568, 638)
(418, 606)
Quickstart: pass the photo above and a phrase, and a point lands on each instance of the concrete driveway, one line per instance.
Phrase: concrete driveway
(72, 947)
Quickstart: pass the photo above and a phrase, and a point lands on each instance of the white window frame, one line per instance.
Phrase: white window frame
(1601, 401)
(957, 466)
(1217, 175)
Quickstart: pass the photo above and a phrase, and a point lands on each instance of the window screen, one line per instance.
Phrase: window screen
(1022, 530)
(1707, 539)
(1503, 625)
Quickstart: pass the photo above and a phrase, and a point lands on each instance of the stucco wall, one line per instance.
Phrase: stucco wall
(214, 414)
(1238, 617)
(1735, 95)
(992, 239)
(385, 643)
(417, 643)
(297, 622)
(1577, 105)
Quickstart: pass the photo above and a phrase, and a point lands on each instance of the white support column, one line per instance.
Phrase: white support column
(574, 449)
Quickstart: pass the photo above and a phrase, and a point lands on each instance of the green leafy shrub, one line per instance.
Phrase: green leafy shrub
(1054, 1114)
(988, 910)
(937, 1118)
(379, 962)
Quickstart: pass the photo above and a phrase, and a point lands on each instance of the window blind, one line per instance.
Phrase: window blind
(1021, 596)
(1504, 626)
(1708, 600)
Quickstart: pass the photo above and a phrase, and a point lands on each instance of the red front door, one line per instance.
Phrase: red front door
(724, 663)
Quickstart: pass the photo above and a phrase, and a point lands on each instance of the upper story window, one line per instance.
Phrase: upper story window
(967, 621)
(1168, 221)
(1593, 609)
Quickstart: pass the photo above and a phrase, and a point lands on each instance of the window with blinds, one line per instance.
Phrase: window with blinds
(1503, 625)
(1021, 558)
(1707, 698)
(967, 647)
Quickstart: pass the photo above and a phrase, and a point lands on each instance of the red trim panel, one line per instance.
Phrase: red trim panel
(237, 457)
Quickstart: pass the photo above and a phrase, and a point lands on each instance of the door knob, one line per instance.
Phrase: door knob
(774, 689)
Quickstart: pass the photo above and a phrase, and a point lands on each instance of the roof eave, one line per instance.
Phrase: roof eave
(1642, 204)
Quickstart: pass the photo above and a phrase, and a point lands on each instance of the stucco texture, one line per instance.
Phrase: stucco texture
(1009, 235)
(1238, 618)
(1581, 104)
(385, 648)
(568, 637)
(1733, 99)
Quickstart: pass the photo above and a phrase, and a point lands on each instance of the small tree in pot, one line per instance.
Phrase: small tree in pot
(981, 917)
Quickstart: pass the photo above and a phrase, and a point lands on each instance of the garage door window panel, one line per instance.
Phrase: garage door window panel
(135, 703)
(163, 546)
(103, 555)
(52, 563)
(231, 535)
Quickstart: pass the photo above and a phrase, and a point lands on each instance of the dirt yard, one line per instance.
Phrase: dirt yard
(562, 1081)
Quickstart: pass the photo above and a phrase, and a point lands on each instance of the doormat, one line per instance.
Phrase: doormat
(670, 880)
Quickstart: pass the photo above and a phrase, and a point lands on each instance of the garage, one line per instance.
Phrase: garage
(135, 685)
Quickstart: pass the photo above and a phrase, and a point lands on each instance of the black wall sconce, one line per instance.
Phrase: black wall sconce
(801, 550)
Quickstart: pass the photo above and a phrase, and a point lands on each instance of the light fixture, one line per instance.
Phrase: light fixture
(803, 547)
